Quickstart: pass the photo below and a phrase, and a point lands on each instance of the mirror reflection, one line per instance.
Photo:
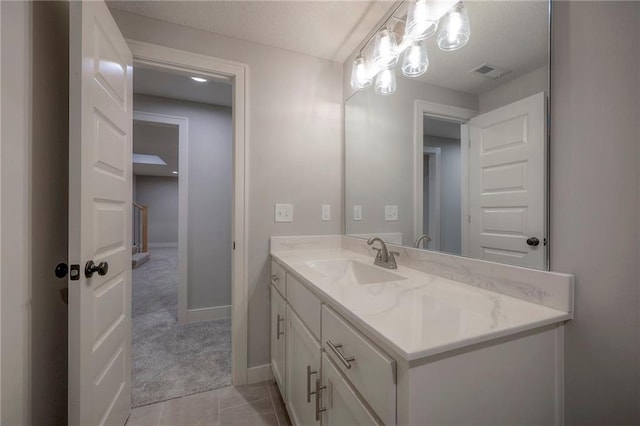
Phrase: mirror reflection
(454, 160)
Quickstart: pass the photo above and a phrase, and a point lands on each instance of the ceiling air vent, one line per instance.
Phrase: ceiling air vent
(489, 71)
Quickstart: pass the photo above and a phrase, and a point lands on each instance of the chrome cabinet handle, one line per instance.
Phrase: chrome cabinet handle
(309, 373)
(344, 360)
(317, 393)
(278, 332)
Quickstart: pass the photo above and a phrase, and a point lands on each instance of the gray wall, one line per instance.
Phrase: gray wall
(380, 152)
(295, 143)
(594, 203)
(35, 151)
(161, 195)
(524, 86)
(450, 193)
(210, 196)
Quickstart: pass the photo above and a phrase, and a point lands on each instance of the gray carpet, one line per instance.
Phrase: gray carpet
(171, 360)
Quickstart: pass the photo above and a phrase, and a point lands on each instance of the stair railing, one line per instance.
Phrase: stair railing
(141, 227)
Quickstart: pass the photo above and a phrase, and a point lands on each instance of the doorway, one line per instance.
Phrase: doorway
(181, 308)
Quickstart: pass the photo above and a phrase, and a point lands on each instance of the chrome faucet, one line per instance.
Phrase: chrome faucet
(422, 237)
(384, 258)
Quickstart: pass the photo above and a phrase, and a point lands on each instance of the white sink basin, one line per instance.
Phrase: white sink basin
(352, 271)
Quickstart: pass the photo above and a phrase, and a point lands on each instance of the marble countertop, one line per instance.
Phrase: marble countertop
(422, 315)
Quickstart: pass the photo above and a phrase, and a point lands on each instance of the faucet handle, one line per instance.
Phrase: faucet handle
(395, 253)
(379, 254)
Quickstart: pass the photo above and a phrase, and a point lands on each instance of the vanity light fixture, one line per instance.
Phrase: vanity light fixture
(199, 79)
(424, 17)
(385, 51)
(421, 22)
(455, 30)
(360, 75)
(415, 61)
(386, 82)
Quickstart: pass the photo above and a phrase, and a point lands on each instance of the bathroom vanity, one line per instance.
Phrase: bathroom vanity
(439, 340)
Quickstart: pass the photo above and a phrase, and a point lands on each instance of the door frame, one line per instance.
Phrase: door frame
(161, 57)
(183, 201)
(434, 154)
(442, 112)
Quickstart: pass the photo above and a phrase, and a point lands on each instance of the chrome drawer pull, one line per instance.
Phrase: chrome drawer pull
(309, 373)
(274, 279)
(344, 360)
(317, 393)
(278, 332)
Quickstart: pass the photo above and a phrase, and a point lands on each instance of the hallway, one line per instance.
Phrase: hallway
(172, 360)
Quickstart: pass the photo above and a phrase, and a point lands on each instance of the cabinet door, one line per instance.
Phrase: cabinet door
(278, 338)
(303, 368)
(342, 405)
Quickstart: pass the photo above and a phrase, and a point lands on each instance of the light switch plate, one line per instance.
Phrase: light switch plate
(326, 212)
(390, 213)
(357, 212)
(284, 213)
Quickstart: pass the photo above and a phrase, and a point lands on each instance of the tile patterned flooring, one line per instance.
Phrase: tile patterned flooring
(258, 404)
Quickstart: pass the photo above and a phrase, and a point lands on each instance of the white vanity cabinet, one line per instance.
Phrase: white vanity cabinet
(303, 368)
(344, 366)
(278, 325)
(278, 339)
(339, 400)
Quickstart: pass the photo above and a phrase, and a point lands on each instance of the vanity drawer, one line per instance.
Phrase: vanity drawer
(278, 278)
(371, 371)
(305, 303)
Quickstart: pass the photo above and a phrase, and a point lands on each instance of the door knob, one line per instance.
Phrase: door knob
(90, 268)
(533, 241)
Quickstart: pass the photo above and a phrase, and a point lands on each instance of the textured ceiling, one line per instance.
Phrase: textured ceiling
(325, 29)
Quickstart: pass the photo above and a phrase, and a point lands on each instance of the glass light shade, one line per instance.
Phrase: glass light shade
(386, 82)
(455, 30)
(415, 60)
(360, 76)
(385, 51)
(421, 21)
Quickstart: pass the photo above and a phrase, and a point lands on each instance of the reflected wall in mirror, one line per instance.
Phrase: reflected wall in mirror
(458, 155)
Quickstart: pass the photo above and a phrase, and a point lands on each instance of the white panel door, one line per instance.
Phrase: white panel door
(100, 127)
(507, 182)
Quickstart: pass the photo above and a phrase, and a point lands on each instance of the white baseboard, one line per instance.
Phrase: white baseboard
(208, 314)
(259, 373)
(162, 245)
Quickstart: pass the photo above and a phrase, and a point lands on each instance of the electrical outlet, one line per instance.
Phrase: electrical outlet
(326, 212)
(284, 213)
(357, 212)
(390, 213)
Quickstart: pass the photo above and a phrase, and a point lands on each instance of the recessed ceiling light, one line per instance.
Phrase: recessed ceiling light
(148, 159)
(199, 79)
(175, 172)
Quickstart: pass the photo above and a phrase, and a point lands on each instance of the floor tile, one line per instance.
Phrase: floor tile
(201, 408)
(146, 416)
(237, 395)
(257, 413)
(278, 404)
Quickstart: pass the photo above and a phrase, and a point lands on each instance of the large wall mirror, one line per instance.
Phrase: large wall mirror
(459, 154)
